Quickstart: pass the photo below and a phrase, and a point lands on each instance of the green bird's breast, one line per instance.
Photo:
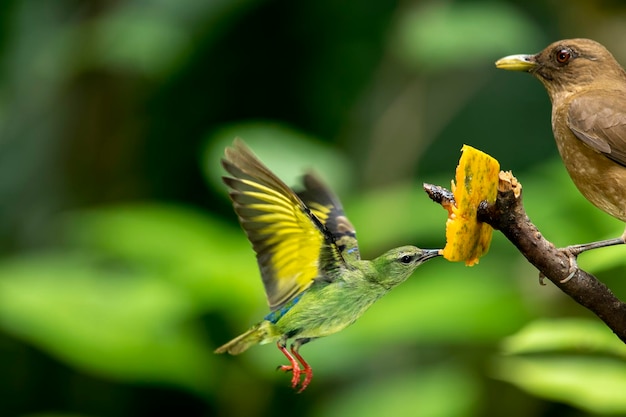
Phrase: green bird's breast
(328, 308)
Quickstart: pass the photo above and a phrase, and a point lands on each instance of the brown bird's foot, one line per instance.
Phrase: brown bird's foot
(578, 249)
(573, 251)
(295, 369)
(573, 267)
(573, 264)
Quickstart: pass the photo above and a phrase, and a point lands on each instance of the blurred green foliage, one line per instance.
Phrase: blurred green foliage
(122, 264)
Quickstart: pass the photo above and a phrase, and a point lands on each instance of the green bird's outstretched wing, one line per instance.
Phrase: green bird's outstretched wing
(327, 207)
(293, 246)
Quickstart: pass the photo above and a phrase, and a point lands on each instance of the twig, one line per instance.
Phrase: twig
(508, 216)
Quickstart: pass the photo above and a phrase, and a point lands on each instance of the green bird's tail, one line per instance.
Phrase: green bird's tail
(260, 333)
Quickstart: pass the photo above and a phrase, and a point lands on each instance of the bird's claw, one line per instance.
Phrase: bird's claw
(296, 374)
(307, 378)
(295, 368)
(573, 264)
(571, 275)
(295, 371)
(573, 251)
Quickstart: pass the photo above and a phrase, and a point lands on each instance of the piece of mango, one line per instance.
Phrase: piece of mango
(467, 239)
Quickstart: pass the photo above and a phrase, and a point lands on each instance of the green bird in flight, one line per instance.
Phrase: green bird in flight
(315, 280)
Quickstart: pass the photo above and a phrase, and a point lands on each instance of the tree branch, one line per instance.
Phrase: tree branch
(508, 216)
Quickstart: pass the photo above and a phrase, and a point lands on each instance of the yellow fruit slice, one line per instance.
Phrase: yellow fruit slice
(467, 239)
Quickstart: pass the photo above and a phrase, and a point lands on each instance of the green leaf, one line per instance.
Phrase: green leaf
(210, 260)
(152, 37)
(571, 334)
(423, 393)
(595, 384)
(104, 318)
(575, 361)
(435, 36)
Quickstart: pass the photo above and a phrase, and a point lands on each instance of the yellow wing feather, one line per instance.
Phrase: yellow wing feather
(327, 207)
(289, 240)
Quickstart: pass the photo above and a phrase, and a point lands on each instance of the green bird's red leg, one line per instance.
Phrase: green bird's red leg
(307, 368)
(294, 368)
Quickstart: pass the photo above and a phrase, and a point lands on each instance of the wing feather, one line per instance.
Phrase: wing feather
(600, 123)
(292, 244)
(328, 208)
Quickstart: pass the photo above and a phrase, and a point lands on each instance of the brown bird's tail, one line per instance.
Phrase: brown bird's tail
(260, 333)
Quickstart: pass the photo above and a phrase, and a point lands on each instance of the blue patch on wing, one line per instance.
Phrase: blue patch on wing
(275, 315)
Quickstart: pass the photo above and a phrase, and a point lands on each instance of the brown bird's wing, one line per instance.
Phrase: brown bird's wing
(293, 246)
(599, 119)
(327, 207)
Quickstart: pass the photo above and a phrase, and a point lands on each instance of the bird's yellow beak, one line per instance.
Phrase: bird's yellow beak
(517, 63)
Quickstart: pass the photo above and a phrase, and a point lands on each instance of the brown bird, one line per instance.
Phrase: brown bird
(587, 87)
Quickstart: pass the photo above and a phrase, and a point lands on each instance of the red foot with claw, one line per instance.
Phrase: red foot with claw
(295, 369)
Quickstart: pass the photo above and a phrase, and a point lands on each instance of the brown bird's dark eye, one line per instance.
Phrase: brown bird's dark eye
(563, 56)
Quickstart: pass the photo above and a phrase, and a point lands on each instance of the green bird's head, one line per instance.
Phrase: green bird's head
(395, 266)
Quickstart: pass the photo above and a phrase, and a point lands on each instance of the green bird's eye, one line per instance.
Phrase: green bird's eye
(406, 259)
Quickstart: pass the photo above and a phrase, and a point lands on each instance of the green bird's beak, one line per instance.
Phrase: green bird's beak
(517, 63)
(429, 254)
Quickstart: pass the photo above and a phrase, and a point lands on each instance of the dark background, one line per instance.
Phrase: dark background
(122, 264)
